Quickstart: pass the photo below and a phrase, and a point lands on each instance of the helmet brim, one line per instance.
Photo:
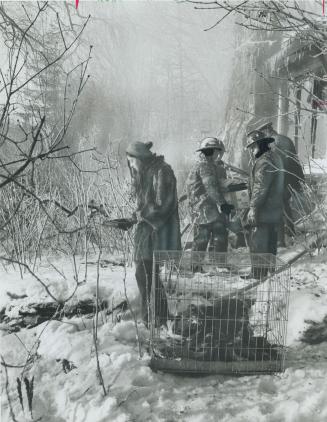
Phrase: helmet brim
(267, 140)
(204, 149)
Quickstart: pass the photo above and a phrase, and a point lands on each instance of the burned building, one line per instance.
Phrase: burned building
(282, 80)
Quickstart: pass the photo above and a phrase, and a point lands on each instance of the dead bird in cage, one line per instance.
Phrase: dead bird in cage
(220, 332)
(209, 327)
(226, 316)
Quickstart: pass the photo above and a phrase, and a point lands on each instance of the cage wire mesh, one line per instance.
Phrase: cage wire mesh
(205, 318)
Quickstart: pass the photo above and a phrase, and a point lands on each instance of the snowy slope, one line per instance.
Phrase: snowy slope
(135, 393)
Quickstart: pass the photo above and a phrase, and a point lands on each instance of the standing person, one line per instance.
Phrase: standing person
(205, 195)
(266, 189)
(294, 176)
(154, 186)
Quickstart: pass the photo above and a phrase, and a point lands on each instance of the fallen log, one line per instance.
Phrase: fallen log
(105, 262)
(15, 296)
(35, 314)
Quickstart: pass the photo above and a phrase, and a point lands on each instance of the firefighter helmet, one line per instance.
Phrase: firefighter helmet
(211, 143)
(257, 136)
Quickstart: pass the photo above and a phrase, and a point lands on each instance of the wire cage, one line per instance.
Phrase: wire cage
(206, 319)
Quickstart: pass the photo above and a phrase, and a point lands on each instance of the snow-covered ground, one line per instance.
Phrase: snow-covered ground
(135, 393)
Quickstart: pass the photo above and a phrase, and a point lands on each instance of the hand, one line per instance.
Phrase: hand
(251, 217)
(134, 216)
(138, 216)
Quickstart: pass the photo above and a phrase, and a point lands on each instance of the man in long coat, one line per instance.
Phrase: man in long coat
(266, 190)
(205, 195)
(158, 228)
(294, 176)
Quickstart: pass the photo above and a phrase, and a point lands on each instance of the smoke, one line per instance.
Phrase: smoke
(156, 75)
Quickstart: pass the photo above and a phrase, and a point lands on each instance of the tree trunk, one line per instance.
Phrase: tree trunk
(37, 313)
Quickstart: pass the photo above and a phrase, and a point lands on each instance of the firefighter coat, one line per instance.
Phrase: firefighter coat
(204, 191)
(266, 188)
(294, 175)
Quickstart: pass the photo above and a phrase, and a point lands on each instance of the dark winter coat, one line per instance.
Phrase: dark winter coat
(157, 202)
(294, 175)
(266, 188)
(204, 191)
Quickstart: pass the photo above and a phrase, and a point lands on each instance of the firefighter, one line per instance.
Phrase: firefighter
(229, 197)
(293, 179)
(205, 195)
(266, 190)
(154, 186)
